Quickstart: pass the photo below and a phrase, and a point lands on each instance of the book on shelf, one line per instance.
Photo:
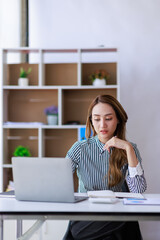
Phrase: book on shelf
(23, 123)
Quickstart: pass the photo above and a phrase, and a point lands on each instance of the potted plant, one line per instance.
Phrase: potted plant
(52, 115)
(21, 151)
(99, 77)
(23, 80)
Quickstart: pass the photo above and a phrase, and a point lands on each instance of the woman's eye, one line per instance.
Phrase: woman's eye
(97, 119)
(108, 119)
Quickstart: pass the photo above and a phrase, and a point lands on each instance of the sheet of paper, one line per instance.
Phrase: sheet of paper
(129, 195)
(111, 194)
(101, 194)
(148, 201)
(104, 200)
(9, 194)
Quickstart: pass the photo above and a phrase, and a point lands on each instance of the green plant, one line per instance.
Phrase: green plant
(23, 73)
(100, 74)
(21, 151)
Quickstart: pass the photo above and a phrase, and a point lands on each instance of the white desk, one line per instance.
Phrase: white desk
(20, 210)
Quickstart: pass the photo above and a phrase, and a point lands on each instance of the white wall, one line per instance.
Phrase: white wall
(132, 27)
(9, 23)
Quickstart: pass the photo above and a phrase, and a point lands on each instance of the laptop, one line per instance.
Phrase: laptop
(44, 180)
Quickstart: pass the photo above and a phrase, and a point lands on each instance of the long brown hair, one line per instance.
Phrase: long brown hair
(118, 156)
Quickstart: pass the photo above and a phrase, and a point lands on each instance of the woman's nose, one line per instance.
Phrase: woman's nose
(103, 123)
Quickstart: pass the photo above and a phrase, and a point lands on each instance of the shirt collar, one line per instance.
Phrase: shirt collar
(99, 144)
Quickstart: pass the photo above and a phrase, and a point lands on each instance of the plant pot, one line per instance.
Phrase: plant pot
(99, 82)
(52, 119)
(23, 82)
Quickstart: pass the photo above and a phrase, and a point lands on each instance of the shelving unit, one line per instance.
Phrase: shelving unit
(59, 77)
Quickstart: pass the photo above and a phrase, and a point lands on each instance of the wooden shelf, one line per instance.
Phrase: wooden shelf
(7, 176)
(28, 105)
(58, 141)
(15, 137)
(59, 77)
(89, 68)
(80, 99)
(56, 77)
(13, 71)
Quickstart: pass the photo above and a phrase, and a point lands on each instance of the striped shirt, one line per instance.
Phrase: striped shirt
(92, 162)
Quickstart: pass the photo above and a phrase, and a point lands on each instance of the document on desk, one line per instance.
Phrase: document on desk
(9, 194)
(147, 201)
(103, 200)
(111, 194)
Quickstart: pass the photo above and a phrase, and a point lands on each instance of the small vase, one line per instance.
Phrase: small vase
(99, 82)
(52, 119)
(23, 82)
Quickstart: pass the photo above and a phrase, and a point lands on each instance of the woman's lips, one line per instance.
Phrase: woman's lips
(104, 131)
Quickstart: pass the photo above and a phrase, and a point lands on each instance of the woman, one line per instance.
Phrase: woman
(106, 161)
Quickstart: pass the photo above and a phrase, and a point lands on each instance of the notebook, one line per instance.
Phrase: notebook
(44, 180)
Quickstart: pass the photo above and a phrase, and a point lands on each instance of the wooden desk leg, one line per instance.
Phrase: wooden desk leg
(1, 229)
(19, 228)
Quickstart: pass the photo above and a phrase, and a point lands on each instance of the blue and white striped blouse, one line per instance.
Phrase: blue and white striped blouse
(92, 163)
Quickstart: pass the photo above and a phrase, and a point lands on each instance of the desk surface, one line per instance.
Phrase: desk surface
(10, 208)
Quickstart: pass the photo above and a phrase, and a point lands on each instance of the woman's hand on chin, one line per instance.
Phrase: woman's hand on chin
(125, 145)
(117, 143)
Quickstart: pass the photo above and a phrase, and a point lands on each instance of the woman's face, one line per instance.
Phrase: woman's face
(104, 121)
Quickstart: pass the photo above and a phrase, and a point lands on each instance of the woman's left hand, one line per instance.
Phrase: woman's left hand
(125, 145)
(117, 143)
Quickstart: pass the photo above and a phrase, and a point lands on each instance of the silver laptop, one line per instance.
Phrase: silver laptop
(43, 179)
